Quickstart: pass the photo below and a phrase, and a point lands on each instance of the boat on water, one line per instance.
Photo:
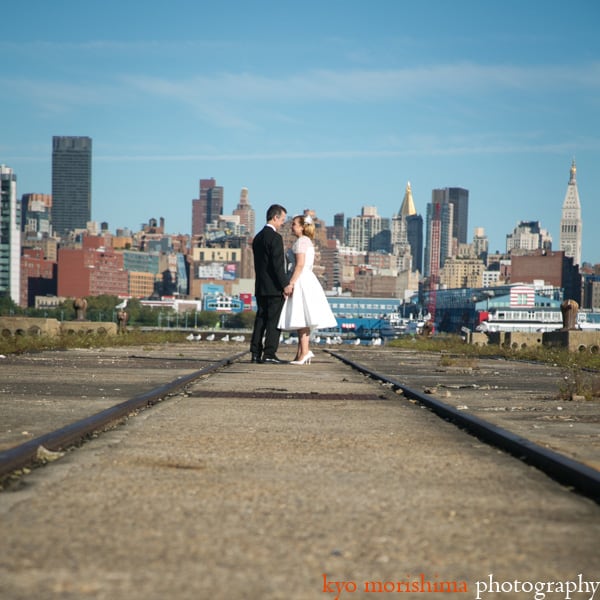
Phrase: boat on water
(532, 320)
(395, 326)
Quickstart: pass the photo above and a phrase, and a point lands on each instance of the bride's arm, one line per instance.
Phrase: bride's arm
(300, 260)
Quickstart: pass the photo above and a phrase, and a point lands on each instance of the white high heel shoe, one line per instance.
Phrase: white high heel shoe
(305, 360)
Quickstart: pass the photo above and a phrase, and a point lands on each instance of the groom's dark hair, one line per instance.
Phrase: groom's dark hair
(274, 211)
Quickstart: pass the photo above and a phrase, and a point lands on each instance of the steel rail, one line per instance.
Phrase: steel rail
(563, 469)
(25, 454)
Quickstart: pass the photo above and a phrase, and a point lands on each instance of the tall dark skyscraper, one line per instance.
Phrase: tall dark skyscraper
(208, 207)
(447, 225)
(338, 227)
(414, 233)
(71, 183)
(459, 197)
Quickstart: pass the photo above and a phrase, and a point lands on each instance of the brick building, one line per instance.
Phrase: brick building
(459, 272)
(554, 268)
(92, 270)
(38, 276)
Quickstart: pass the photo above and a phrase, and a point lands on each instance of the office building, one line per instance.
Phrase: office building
(439, 243)
(10, 236)
(571, 223)
(207, 208)
(71, 183)
(528, 235)
(459, 198)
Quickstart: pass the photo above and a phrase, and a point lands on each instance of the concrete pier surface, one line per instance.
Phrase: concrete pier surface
(280, 481)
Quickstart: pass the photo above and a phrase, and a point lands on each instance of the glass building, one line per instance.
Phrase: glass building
(71, 183)
(10, 235)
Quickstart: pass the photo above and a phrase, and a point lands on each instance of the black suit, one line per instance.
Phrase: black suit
(271, 278)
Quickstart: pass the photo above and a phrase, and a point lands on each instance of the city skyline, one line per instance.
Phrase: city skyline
(330, 106)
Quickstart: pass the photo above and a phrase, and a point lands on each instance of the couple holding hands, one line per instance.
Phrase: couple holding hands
(290, 302)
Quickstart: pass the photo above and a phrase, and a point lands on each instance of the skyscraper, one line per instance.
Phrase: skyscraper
(10, 235)
(439, 241)
(459, 197)
(407, 234)
(208, 207)
(400, 245)
(245, 212)
(361, 230)
(571, 224)
(414, 233)
(71, 183)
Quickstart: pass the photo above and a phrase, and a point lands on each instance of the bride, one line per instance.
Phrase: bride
(306, 307)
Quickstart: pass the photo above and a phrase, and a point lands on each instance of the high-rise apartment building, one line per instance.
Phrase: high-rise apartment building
(362, 230)
(208, 207)
(71, 183)
(10, 235)
(571, 224)
(35, 215)
(246, 213)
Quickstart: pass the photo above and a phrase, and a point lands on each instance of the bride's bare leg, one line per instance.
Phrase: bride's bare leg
(303, 337)
(303, 341)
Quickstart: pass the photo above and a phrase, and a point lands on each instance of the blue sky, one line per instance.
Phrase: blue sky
(330, 105)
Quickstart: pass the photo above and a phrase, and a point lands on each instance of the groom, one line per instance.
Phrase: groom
(270, 287)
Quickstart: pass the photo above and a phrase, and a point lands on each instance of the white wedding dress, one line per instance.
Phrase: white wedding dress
(307, 306)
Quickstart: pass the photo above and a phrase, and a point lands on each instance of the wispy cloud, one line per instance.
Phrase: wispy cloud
(57, 97)
(239, 100)
(372, 85)
(424, 146)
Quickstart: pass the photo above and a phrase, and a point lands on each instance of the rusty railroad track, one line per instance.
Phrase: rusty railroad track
(569, 472)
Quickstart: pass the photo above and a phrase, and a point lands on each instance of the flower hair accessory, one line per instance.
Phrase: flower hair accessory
(308, 220)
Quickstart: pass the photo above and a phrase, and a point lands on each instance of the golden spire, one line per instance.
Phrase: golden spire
(408, 205)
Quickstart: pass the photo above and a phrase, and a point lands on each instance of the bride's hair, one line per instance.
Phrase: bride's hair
(308, 226)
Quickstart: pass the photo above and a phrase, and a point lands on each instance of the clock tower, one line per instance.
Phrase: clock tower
(570, 223)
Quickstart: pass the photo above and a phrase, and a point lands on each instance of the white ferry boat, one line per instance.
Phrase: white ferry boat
(532, 320)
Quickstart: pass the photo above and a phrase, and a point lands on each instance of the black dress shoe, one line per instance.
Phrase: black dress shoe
(255, 358)
(273, 360)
